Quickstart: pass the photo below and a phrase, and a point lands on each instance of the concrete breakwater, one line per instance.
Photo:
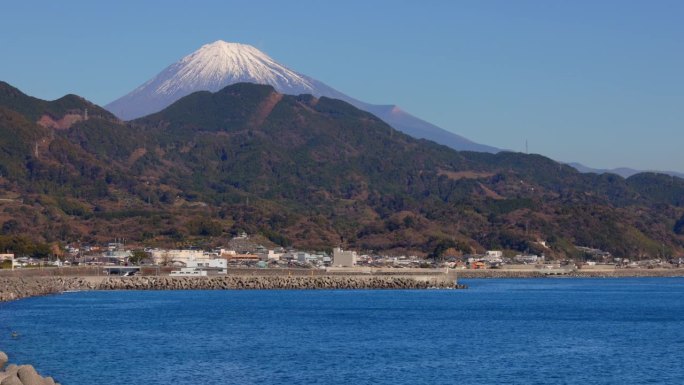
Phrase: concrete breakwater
(12, 288)
(21, 375)
(273, 282)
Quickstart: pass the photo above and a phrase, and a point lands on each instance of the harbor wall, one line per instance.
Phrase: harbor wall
(274, 282)
(12, 288)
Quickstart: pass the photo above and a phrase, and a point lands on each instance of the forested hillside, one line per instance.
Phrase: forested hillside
(314, 173)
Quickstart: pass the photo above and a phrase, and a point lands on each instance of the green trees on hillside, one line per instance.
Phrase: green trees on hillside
(679, 226)
(310, 173)
(24, 246)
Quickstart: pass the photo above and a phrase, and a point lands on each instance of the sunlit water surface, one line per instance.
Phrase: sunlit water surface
(523, 331)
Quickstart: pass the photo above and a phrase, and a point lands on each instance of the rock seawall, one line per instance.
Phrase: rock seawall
(21, 374)
(270, 282)
(12, 288)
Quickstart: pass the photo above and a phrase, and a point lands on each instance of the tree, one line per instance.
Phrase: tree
(442, 246)
(57, 251)
(679, 226)
(166, 259)
(10, 227)
(137, 256)
(204, 227)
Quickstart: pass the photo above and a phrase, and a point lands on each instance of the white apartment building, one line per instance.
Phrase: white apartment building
(342, 258)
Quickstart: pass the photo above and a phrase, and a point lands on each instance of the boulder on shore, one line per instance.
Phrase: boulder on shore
(21, 375)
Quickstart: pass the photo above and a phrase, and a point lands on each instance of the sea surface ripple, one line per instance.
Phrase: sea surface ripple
(513, 331)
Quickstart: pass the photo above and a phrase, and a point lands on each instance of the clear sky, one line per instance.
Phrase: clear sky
(599, 82)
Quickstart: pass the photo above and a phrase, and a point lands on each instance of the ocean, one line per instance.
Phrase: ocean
(498, 331)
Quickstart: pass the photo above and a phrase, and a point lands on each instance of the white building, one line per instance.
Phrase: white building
(180, 256)
(343, 258)
(218, 265)
(224, 252)
(528, 259)
(494, 253)
(493, 256)
(202, 267)
(271, 255)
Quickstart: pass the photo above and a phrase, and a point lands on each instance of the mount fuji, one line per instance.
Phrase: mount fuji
(219, 64)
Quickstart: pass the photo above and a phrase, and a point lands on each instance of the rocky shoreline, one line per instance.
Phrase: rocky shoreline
(21, 374)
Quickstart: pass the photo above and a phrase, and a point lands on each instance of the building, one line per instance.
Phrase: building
(271, 255)
(243, 258)
(120, 256)
(594, 253)
(303, 257)
(202, 267)
(528, 259)
(493, 257)
(166, 257)
(8, 257)
(221, 252)
(494, 254)
(217, 265)
(342, 258)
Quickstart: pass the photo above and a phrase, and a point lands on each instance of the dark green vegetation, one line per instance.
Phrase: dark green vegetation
(305, 172)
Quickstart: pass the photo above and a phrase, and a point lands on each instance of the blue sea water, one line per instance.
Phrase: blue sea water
(522, 331)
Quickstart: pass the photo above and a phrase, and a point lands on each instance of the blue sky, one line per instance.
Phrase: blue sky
(599, 82)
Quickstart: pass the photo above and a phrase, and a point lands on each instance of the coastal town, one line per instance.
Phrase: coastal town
(243, 252)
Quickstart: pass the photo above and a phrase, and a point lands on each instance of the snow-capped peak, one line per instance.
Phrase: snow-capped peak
(211, 68)
(219, 64)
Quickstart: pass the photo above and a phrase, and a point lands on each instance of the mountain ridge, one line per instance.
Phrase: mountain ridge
(219, 64)
(314, 173)
(624, 172)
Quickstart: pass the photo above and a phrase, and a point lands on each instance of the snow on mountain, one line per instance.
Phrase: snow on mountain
(219, 64)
